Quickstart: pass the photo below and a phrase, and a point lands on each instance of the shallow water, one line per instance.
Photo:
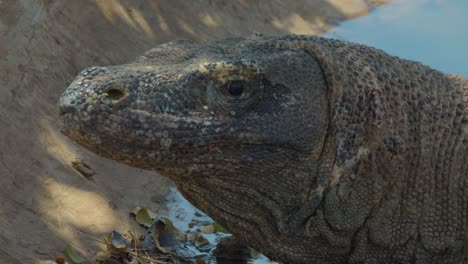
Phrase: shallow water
(434, 32)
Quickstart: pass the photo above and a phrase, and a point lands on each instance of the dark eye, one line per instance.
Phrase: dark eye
(235, 88)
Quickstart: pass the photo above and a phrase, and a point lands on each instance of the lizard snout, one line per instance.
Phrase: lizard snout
(66, 106)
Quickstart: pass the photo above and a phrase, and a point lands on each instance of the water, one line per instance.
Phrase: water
(434, 32)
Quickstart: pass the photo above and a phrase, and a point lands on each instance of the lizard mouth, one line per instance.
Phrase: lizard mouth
(119, 150)
(166, 149)
(167, 139)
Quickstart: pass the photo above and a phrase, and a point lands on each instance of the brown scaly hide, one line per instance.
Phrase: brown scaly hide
(349, 155)
(399, 185)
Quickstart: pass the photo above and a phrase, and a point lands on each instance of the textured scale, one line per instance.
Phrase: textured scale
(327, 152)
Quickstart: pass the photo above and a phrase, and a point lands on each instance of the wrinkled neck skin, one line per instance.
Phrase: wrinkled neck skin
(263, 206)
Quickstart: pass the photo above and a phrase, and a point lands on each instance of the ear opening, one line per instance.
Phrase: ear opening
(356, 104)
(354, 92)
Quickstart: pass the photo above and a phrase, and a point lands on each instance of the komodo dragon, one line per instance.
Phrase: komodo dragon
(311, 150)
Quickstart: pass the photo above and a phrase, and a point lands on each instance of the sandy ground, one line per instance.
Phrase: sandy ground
(44, 202)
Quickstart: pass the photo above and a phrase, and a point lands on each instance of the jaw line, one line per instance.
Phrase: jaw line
(162, 165)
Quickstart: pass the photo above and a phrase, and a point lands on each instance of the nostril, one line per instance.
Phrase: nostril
(115, 93)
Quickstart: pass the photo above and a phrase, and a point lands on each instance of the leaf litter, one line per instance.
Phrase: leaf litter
(203, 241)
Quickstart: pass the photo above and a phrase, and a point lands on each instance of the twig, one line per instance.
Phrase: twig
(87, 251)
(147, 258)
(96, 239)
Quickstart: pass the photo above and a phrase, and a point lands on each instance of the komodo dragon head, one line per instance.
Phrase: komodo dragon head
(256, 132)
(239, 126)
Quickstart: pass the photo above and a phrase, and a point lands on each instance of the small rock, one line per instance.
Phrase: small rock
(230, 248)
(83, 168)
(207, 229)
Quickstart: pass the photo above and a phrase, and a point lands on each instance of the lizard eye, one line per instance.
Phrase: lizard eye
(235, 88)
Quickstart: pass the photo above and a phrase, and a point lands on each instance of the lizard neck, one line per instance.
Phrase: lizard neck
(262, 209)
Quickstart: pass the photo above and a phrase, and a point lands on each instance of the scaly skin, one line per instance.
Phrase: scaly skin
(311, 150)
